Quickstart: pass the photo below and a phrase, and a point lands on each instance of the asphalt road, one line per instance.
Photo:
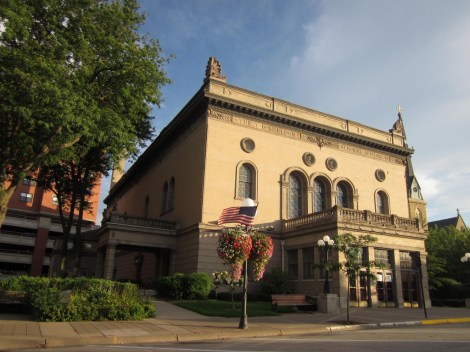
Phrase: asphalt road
(431, 338)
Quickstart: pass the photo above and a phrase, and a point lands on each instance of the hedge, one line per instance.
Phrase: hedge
(183, 286)
(80, 299)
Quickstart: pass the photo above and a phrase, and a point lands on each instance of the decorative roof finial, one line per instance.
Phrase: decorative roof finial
(214, 70)
(458, 211)
(398, 125)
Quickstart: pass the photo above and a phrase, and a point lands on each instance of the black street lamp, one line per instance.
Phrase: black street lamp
(326, 243)
(466, 259)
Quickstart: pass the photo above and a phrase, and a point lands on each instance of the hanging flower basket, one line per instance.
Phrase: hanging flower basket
(261, 252)
(234, 249)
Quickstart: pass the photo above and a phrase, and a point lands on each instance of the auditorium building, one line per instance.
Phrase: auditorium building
(311, 174)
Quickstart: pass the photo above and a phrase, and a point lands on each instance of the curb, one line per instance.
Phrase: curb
(41, 342)
(399, 324)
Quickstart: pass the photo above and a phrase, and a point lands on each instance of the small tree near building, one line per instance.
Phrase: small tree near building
(354, 265)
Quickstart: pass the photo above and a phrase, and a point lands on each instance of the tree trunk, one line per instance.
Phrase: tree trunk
(67, 229)
(5, 196)
(78, 237)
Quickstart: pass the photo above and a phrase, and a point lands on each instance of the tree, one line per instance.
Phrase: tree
(224, 279)
(351, 246)
(73, 70)
(73, 182)
(445, 247)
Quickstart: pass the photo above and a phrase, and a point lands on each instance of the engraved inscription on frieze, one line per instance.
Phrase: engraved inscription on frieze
(318, 140)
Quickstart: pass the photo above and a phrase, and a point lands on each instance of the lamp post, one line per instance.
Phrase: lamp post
(465, 258)
(325, 244)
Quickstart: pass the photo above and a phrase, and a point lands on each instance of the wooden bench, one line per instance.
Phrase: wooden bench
(13, 302)
(289, 300)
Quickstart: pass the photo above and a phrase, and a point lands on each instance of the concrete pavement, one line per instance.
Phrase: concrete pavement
(174, 324)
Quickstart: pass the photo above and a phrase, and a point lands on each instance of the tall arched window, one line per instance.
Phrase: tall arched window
(165, 197)
(171, 194)
(245, 182)
(294, 206)
(146, 207)
(342, 196)
(168, 199)
(381, 202)
(319, 195)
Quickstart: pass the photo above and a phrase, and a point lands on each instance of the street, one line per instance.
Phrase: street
(446, 337)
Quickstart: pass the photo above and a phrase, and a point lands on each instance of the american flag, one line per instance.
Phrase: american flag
(242, 215)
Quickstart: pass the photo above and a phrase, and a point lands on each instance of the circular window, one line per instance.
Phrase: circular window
(248, 145)
(308, 158)
(380, 175)
(331, 164)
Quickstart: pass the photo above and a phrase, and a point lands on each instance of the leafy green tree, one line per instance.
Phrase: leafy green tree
(351, 246)
(224, 279)
(73, 70)
(445, 247)
(73, 182)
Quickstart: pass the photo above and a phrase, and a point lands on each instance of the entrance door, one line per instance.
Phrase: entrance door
(358, 293)
(384, 287)
(410, 288)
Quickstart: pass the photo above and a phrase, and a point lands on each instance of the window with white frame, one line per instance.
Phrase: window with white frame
(26, 197)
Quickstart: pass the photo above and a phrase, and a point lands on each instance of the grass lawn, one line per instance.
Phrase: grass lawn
(216, 308)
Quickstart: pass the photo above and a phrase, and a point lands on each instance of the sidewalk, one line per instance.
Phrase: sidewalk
(173, 324)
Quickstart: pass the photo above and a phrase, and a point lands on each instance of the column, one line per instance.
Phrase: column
(109, 262)
(398, 287)
(99, 262)
(40, 246)
(424, 280)
(371, 285)
(310, 200)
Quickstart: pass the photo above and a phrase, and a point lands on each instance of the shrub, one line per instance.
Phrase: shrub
(197, 286)
(274, 281)
(170, 287)
(181, 286)
(81, 299)
(450, 289)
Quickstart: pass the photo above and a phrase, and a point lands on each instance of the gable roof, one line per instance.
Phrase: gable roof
(456, 221)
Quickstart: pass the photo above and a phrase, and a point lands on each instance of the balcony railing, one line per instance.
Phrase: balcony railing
(118, 218)
(338, 214)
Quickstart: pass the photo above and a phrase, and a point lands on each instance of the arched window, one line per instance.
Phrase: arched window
(342, 195)
(171, 194)
(294, 206)
(381, 202)
(146, 207)
(246, 181)
(320, 195)
(164, 197)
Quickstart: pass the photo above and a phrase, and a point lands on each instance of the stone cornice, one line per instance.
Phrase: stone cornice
(242, 101)
(294, 132)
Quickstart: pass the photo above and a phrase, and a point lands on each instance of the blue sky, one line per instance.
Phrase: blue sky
(356, 59)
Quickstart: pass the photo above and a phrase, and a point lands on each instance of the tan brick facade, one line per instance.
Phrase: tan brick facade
(335, 176)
